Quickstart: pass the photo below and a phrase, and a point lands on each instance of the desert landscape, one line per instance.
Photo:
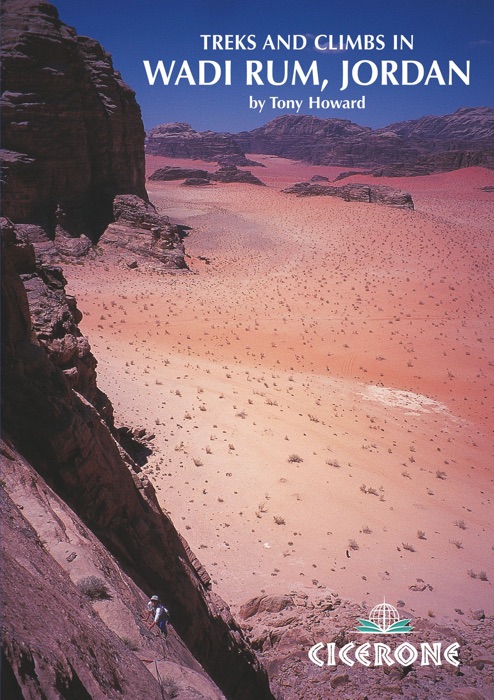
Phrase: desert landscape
(320, 384)
(249, 373)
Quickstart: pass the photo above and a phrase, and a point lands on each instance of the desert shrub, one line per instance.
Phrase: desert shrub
(333, 463)
(130, 643)
(94, 588)
(279, 520)
(421, 534)
(295, 458)
(353, 544)
(408, 547)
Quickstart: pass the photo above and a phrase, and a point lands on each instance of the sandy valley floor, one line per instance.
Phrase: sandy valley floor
(321, 387)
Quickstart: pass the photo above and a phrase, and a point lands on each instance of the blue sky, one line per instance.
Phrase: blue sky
(442, 30)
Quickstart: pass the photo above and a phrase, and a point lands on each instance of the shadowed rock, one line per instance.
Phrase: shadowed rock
(239, 160)
(140, 235)
(63, 436)
(230, 173)
(171, 173)
(419, 146)
(71, 126)
(355, 193)
(180, 140)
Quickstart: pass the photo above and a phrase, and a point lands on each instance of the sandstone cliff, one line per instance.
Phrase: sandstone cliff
(73, 622)
(417, 147)
(179, 140)
(72, 132)
(420, 145)
(61, 433)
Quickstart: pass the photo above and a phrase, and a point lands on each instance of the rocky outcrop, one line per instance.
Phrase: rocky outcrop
(71, 127)
(171, 173)
(142, 236)
(63, 436)
(179, 140)
(284, 627)
(466, 125)
(226, 173)
(355, 193)
(87, 638)
(230, 173)
(420, 146)
(238, 160)
(300, 137)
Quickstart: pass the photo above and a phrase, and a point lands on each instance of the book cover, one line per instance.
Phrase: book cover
(290, 304)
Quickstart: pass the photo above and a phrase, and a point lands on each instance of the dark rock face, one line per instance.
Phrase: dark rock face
(179, 140)
(299, 137)
(36, 662)
(139, 234)
(62, 434)
(355, 193)
(170, 173)
(420, 146)
(417, 147)
(230, 173)
(239, 160)
(71, 126)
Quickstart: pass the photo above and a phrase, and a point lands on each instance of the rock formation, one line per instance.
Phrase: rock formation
(355, 193)
(171, 173)
(421, 146)
(300, 137)
(141, 237)
(62, 434)
(192, 176)
(74, 162)
(280, 625)
(428, 144)
(71, 127)
(230, 173)
(239, 160)
(179, 140)
(88, 616)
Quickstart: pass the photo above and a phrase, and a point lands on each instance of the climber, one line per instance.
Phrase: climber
(159, 613)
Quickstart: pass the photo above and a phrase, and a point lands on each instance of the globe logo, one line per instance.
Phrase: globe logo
(384, 619)
(384, 615)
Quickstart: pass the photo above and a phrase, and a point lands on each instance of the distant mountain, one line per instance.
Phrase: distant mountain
(179, 140)
(415, 147)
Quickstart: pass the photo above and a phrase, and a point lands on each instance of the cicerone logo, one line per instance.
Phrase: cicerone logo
(384, 619)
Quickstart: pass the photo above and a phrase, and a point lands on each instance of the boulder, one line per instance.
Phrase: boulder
(355, 193)
(141, 236)
(230, 173)
(170, 172)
